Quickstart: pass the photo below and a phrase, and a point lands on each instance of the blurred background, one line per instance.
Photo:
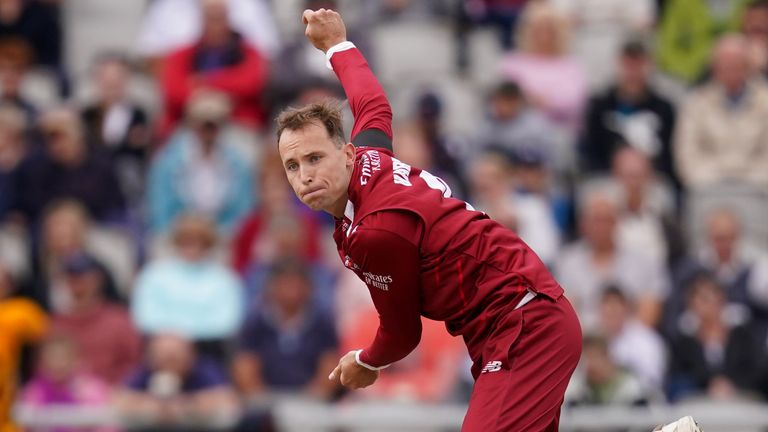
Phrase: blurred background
(157, 273)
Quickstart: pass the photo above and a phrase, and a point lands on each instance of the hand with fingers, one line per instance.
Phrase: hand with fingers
(325, 28)
(352, 375)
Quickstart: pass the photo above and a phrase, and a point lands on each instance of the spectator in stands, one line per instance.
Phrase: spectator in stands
(754, 26)
(733, 262)
(529, 215)
(22, 322)
(64, 234)
(602, 381)
(412, 147)
(298, 66)
(13, 147)
(445, 149)
(59, 381)
(598, 260)
(551, 80)
(200, 171)
(600, 28)
(630, 114)
(169, 25)
(513, 125)
(190, 293)
(15, 57)
(92, 322)
(66, 169)
(278, 229)
(721, 134)
(714, 355)
(252, 246)
(220, 60)
(287, 329)
(503, 15)
(116, 124)
(687, 31)
(532, 175)
(646, 213)
(38, 24)
(175, 388)
(632, 344)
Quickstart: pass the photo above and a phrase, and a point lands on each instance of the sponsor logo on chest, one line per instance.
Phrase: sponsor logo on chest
(379, 281)
(371, 161)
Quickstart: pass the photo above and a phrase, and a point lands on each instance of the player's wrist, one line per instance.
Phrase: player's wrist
(366, 365)
(332, 43)
(343, 45)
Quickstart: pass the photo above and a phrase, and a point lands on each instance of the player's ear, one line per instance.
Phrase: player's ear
(349, 153)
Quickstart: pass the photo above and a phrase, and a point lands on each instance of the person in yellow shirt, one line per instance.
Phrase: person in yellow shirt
(21, 322)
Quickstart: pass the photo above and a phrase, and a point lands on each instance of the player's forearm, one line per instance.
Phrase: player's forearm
(390, 346)
(367, 99)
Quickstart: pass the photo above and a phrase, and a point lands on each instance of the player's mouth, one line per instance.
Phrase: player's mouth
(308, 195)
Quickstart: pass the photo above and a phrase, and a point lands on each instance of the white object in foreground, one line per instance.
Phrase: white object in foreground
(685, 424)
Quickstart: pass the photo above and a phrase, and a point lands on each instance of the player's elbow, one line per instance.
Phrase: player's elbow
(409, 342)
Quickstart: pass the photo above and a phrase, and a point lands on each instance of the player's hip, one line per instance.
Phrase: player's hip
(534, 331)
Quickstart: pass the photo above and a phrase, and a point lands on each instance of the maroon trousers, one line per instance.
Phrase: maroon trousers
(525, 368)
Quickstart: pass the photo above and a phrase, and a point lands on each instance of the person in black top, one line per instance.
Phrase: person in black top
(630, 113)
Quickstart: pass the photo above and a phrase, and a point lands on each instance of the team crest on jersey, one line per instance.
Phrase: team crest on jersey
(349, 264)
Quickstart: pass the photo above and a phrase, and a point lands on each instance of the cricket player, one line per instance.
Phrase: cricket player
(422, 252)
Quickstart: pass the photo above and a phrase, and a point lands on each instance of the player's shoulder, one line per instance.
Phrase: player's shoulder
(389, 225)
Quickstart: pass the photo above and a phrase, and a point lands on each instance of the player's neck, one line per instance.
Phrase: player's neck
(337, 208)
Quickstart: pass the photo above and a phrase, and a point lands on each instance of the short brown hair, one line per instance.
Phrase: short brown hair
(328, 113)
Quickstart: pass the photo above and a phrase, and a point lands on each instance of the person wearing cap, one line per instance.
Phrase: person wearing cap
(631, 113)
(102, 330)
(199, 170)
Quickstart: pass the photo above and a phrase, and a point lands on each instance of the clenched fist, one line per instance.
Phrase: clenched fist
(351, 375)
(325, 28)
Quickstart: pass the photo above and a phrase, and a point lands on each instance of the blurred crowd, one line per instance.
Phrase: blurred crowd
(155, 262)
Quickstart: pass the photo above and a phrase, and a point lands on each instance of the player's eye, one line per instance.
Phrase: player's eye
(292, 167)
(314, 158)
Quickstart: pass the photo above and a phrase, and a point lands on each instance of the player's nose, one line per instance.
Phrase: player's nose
(306, 174)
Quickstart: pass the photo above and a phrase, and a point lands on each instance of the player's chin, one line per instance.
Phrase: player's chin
(315, 203)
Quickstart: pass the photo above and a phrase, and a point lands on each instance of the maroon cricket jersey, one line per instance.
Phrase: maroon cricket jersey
(420, 251)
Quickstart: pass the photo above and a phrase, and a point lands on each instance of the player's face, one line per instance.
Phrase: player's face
(318, 170)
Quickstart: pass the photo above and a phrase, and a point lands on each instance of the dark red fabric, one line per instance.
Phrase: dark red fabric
(538, 347)
(419, 250)
(243, 83)
(469, 270)
(366, 96)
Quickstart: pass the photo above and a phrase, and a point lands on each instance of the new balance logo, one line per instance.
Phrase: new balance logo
(492, 366)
